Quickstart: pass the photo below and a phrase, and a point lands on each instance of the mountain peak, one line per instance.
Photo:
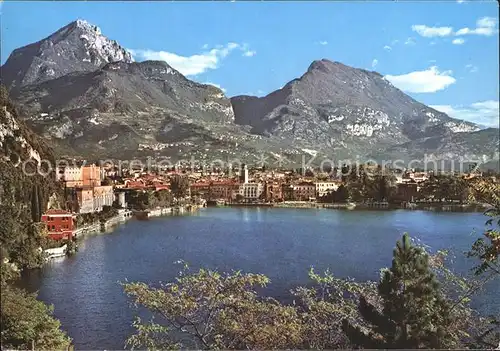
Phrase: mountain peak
(324, 65)
(77, 47)
(83, 24)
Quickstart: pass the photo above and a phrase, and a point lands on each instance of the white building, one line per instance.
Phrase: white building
(251, 191)
(244, 174)
(103, 196)
(323, 188)
(69, 173)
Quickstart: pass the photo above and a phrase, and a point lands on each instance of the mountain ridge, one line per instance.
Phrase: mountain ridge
(113, 106)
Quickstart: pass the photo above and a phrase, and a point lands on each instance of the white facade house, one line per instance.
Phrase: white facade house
(251, 191)
(323, 188)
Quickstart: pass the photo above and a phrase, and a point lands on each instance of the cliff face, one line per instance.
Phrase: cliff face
(27, 180)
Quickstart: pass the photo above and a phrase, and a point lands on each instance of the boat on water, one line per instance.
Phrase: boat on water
(351, 206)
(218, 202)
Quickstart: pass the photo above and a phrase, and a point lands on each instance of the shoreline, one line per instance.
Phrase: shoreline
(112, 223)
(432, 207)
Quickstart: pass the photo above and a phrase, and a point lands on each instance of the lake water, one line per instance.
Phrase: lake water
(281, 243)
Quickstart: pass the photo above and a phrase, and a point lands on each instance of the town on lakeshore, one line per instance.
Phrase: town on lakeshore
(99, 196)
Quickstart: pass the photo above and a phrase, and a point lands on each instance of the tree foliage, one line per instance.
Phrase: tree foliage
(143, 200)
(414, 314)
(179, 185)
(364, 182)
(28, 323)
(445, 187)
(408, 308)
(24, 190)
(487, 250)
(216, 311)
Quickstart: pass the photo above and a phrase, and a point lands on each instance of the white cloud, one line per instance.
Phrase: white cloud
(246, 51)
(430, 32)
(484, 112)
(249, 53)
(428, 81)
(484, 26)
(410, 41)
(471, 68)
(216, 85)
(387, 47)
(324, 42)
(194, 64)
(461, 1)
(374, 63)
(486, 22)
(205, 46)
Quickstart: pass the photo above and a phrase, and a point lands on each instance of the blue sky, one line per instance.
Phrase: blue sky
(444, 54)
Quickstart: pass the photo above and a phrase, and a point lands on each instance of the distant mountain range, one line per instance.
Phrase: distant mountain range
(83, 91)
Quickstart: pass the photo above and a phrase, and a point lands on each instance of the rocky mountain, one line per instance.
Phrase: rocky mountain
(77, 47)
(136, 106)
(337, 107)
(84, 93)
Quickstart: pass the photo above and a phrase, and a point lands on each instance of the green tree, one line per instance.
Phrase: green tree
(213, 311)
(434, 188)
(179, 185)
(28, 323)
(486, 250)
(164, 198)
(380, 187)
(414, 314)
(324, 304)
(36, 212)
(342, 194)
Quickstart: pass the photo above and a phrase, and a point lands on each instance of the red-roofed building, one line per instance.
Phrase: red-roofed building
(135, 184)
(159, 187)
(59, 224)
